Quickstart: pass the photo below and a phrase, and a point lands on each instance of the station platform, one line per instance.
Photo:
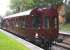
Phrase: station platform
(27, 44)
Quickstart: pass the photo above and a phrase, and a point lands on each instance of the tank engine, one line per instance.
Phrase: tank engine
(39, 26)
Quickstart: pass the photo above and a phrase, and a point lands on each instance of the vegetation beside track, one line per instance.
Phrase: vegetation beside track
(7, 43)
(65, 27)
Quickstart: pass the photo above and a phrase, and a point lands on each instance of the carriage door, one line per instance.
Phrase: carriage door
(53, 22)
(54, 26)
(36, 24)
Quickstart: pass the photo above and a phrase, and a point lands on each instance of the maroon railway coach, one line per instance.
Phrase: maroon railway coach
(39, 26)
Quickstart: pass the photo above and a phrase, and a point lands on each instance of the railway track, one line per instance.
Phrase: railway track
(65, 44)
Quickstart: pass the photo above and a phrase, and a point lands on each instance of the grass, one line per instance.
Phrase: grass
(7, 43)
(65, 28)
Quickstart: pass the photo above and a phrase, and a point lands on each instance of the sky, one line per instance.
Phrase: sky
(4, 6)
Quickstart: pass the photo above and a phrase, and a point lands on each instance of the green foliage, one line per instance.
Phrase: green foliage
(54, 1)
(65, 27)
(27, 4)
(67, 10)
(22, 5)
(45, 3)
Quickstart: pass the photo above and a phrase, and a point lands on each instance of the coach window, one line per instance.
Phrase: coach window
(23, 23)
(7, 22)
(36, 21)
(56, 22)
(46, 22)
(53, 22)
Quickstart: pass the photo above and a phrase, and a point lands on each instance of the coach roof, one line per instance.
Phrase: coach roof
(19, 14)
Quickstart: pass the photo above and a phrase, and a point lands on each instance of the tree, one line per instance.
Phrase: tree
(22, 5)
(67, 10)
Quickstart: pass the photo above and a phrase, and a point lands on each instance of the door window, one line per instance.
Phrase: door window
(47, 22)
(36, 21)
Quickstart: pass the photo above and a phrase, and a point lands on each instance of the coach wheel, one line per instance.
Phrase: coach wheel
(47, 45)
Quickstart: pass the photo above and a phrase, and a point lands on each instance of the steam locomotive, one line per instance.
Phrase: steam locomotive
(39, 26)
